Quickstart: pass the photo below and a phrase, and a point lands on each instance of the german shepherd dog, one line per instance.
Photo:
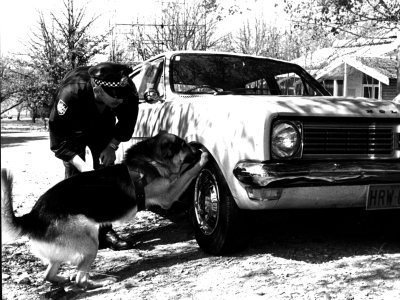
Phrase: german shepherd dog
(64, 223)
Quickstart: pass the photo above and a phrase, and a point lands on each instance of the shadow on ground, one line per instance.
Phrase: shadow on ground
(317, 236)
(312, 236)
(17, 138)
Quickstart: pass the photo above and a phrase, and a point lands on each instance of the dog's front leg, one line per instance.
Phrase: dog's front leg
(83, 281)
(164, 192)
(51, 274)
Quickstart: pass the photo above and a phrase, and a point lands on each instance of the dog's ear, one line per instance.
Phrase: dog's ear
(170, 145)
(167, 153)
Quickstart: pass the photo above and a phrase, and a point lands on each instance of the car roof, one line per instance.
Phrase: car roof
(169, 54)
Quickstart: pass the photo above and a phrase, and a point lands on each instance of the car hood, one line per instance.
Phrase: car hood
(324, 106)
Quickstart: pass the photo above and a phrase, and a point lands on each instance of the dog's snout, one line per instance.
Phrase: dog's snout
(196, 152)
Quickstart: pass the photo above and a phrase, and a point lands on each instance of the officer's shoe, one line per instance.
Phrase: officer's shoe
(113, 241)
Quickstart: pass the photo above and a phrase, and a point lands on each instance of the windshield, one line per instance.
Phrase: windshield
(225, 74)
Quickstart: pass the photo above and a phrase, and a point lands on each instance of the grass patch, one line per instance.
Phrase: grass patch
(25, 124)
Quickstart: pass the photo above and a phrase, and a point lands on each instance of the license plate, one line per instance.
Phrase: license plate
(383, 196)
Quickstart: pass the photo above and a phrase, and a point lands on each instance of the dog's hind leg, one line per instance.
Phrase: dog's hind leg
(51, 273)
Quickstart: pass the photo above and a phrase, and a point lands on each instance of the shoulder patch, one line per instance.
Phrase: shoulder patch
(61, 107)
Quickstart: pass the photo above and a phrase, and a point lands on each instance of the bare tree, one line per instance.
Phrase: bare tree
(53, 49)
(252, 38)
(13, 76)
(9, 85)
(261, 37)
(183, 26)
(80, 46)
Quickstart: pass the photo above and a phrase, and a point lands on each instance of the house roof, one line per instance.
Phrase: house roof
(385, 66)
(379, 68)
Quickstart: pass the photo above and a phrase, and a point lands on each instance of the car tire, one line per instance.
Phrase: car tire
(220, 226)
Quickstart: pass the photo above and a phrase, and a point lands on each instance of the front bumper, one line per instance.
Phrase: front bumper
(313, 184)
(267, 174)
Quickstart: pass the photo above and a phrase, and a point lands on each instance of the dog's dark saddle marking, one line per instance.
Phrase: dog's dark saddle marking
(104, 195)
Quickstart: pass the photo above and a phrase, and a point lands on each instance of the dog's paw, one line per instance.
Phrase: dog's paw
(193, 171)
(203, 159)
(94, 284)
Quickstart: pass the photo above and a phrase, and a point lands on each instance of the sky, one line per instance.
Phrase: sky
(19, 17)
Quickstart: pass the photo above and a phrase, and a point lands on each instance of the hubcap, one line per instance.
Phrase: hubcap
(206, 202)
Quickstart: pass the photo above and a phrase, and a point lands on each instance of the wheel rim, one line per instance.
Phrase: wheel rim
(206, 202)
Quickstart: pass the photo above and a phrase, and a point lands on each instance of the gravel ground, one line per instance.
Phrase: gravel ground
(329, 254)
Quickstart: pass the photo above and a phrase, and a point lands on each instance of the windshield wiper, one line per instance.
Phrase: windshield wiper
(242, 91)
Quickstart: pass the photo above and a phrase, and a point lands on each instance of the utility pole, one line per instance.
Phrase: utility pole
(398, 62)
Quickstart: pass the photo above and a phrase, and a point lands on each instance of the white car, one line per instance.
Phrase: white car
(276, 138)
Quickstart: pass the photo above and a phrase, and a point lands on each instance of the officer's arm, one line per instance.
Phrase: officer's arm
(64, 138)
(127, 114)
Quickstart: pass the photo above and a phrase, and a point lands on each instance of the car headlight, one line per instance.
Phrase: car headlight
(285, 139)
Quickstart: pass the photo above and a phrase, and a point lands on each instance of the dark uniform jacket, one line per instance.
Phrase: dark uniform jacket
(75, 121)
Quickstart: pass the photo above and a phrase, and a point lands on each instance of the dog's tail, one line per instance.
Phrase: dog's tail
(10, 230)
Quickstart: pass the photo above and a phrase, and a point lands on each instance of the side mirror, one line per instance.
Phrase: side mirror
(152, 96)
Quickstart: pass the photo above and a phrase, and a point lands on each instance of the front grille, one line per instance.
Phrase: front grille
(352, 140)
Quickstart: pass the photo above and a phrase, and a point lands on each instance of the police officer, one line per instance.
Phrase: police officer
(86, 107)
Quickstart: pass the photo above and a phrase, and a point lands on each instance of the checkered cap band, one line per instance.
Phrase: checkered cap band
(112, 84)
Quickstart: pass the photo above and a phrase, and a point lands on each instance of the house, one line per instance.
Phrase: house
(370, 77)
(369, 72)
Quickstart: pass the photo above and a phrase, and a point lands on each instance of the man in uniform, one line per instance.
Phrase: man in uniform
(86, 107)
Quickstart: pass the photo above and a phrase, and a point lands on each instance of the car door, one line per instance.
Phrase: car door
(150, 83)
(148, 77)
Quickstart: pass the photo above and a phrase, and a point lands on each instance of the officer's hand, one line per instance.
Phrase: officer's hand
(107, 157)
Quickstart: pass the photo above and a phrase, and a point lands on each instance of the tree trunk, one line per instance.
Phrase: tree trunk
(33, 115)
(44, 122)
(19, 110)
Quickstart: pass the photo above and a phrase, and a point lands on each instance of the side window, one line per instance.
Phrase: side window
(259, 87)
(159, 83)
(293, 84)
(137, 79)
(150, 76)
(289, 84)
